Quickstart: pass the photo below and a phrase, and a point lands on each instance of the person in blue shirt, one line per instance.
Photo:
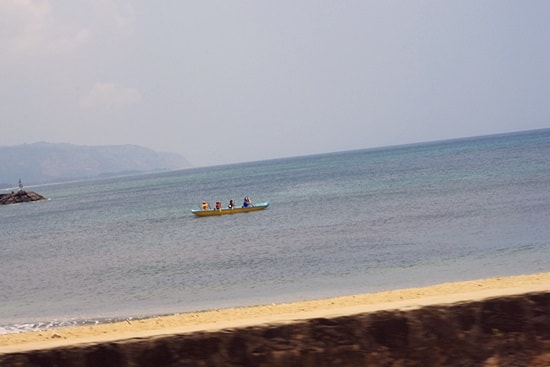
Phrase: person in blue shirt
(247, 202)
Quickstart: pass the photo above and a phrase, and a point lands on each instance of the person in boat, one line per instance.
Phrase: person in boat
(218, 205)
(231, 204)
(204, 205)
(246, 202)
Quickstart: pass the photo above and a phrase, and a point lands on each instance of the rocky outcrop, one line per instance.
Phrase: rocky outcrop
(505, 331)
(20, 196)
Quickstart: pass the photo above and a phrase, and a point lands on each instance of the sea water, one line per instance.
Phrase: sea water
(338, 224)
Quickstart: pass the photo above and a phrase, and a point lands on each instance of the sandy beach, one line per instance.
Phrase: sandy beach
(277, 313)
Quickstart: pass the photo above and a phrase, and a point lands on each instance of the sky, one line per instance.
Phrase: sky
(234, 81)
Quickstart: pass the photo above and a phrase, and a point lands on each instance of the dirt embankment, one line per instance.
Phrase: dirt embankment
(440, 326)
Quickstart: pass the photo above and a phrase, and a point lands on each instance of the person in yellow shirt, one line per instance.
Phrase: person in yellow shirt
(205, 205)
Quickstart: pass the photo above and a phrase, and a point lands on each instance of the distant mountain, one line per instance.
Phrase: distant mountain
(47, 162)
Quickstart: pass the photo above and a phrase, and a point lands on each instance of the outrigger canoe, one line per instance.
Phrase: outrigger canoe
(211, 212)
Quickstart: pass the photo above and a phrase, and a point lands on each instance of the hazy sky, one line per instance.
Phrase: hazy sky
(232, 81)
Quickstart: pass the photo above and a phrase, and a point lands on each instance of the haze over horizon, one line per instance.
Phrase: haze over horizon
(226, 82)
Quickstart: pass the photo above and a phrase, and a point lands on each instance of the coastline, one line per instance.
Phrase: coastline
(276, 313)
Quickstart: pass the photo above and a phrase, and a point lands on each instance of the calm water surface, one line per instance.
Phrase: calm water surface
(338, 224)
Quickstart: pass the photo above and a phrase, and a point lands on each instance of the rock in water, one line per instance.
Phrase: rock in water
(20, 196)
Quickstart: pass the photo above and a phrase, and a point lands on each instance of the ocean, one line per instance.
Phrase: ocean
(338, 224)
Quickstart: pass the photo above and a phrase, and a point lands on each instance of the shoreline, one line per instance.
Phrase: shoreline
(276, 313)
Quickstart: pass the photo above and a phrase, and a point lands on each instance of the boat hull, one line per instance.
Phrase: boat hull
(223, 211)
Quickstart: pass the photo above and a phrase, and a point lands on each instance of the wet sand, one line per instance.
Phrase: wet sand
(277, 313)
